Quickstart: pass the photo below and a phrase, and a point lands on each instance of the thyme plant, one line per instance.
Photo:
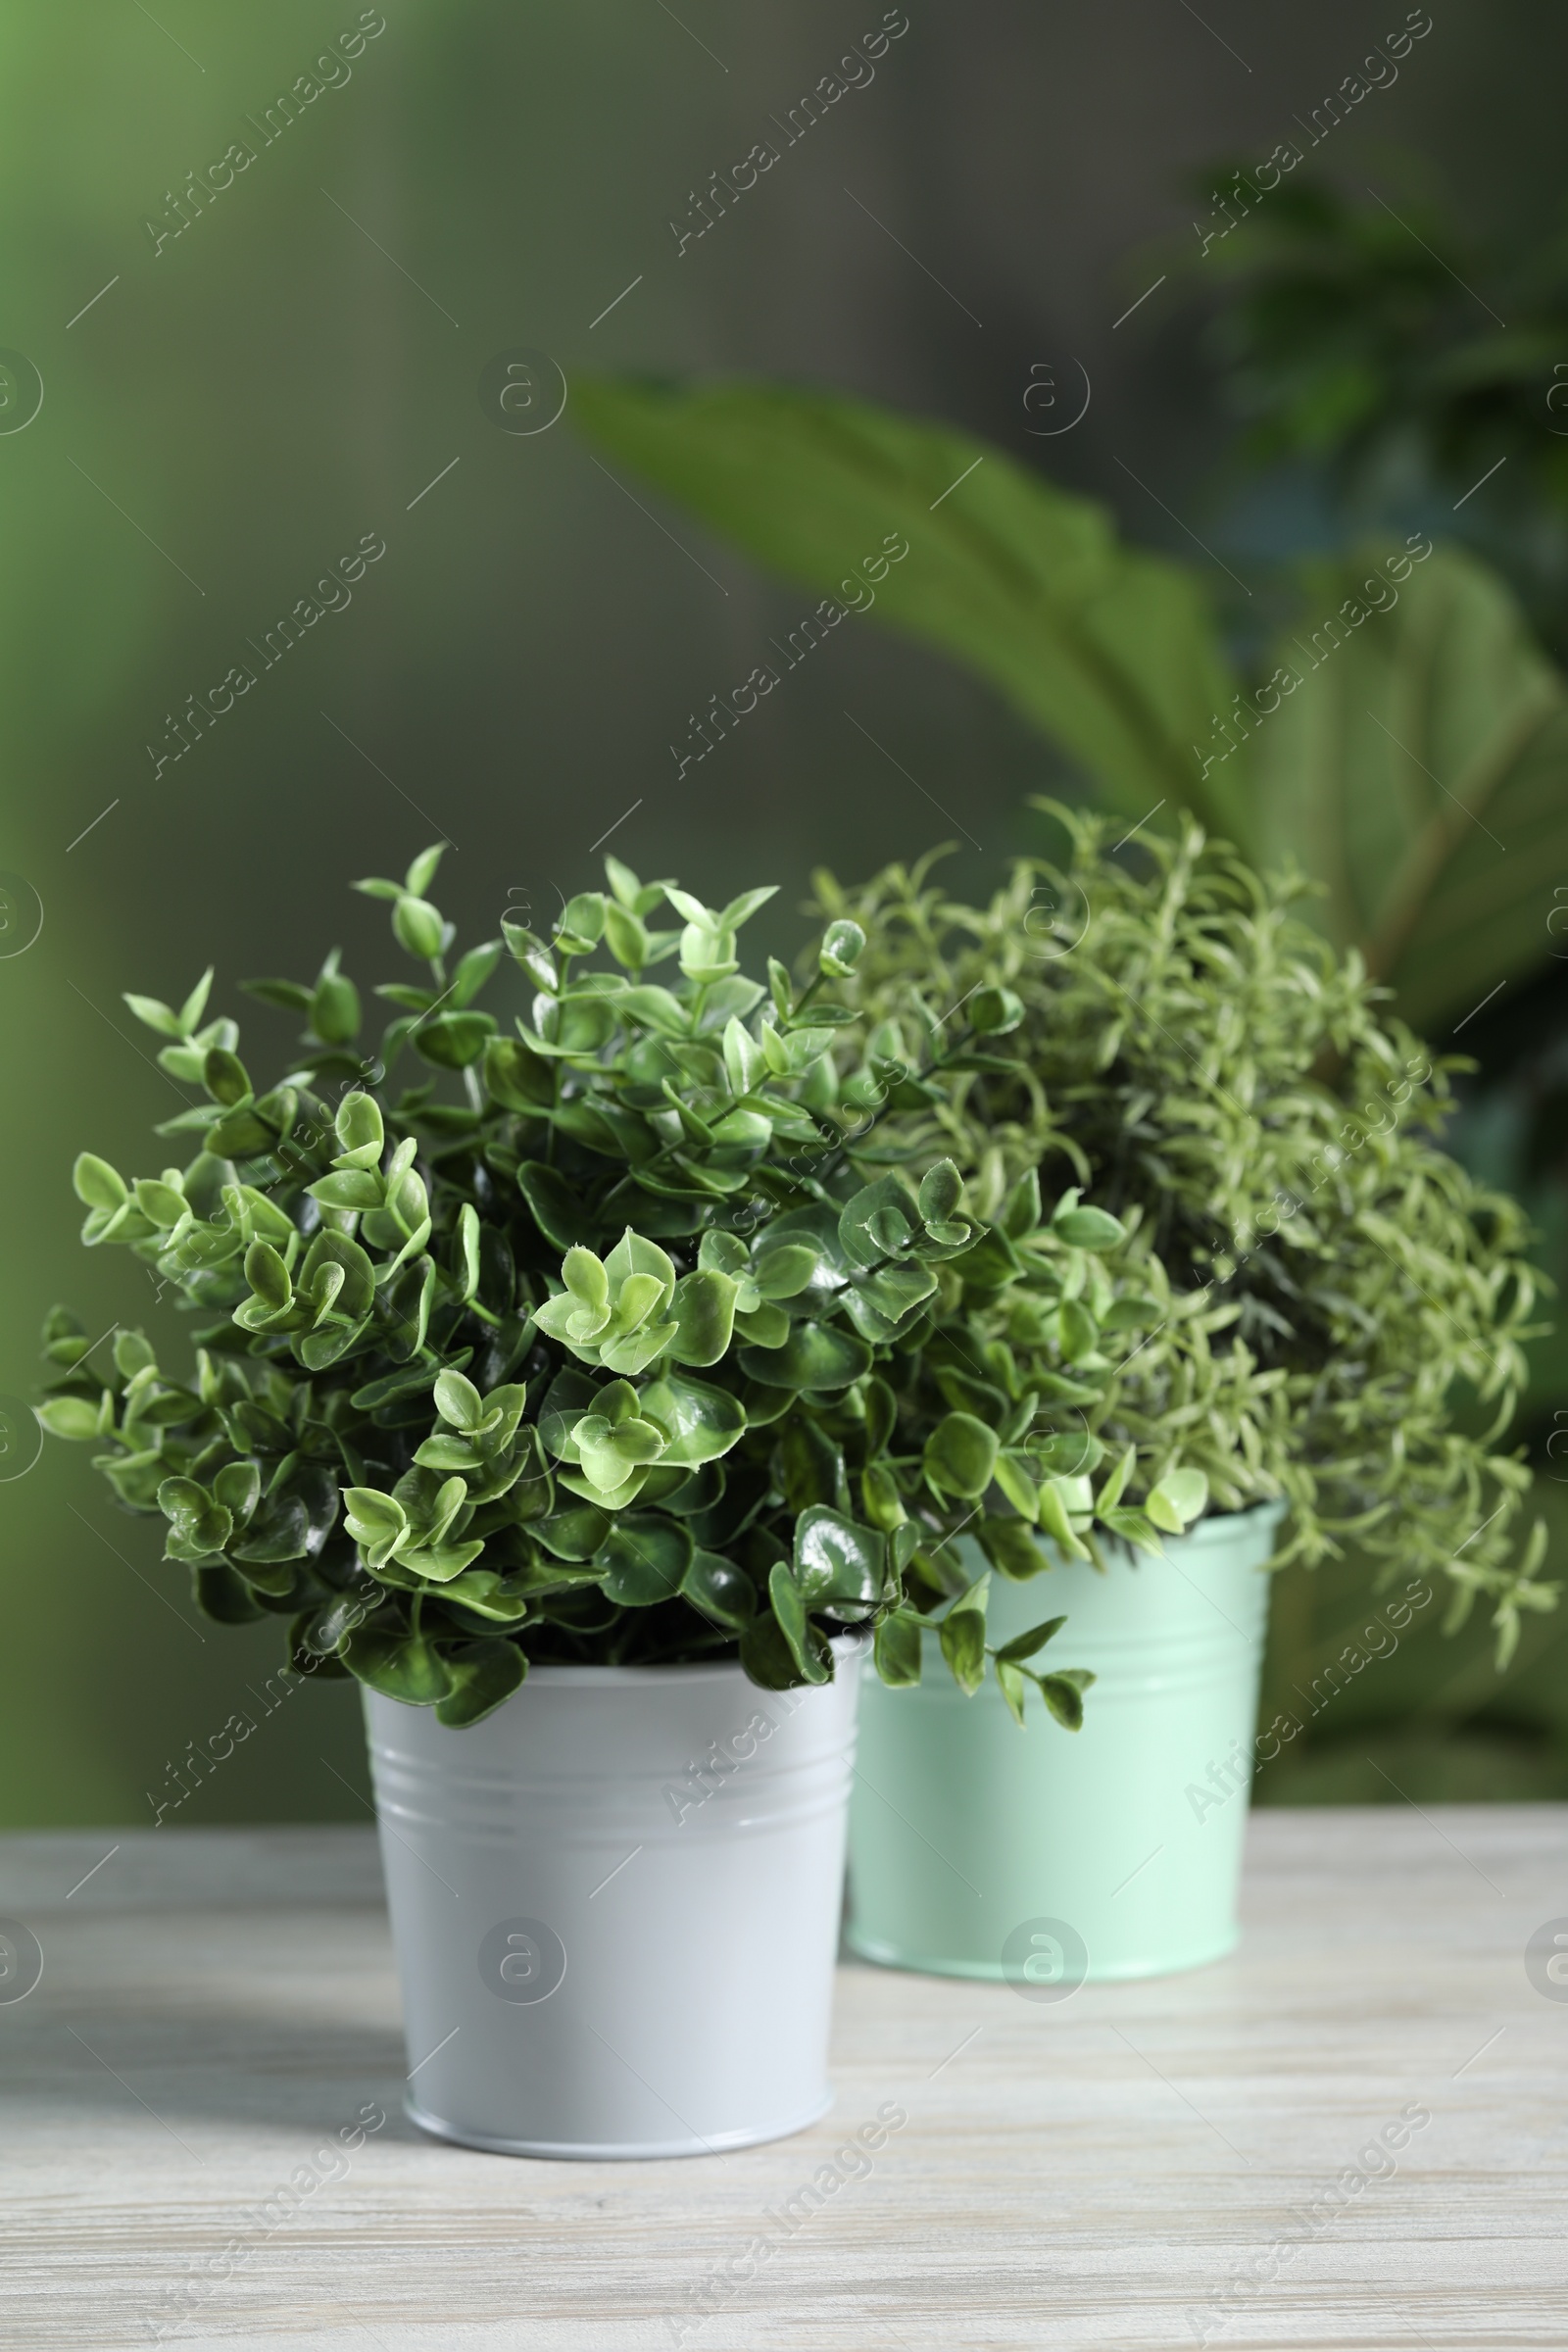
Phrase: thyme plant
(1346, 1304)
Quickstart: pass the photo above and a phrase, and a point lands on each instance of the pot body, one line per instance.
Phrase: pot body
(1044, 1856)
(616, 1905)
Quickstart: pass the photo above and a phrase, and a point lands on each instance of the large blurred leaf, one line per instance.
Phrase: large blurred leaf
(1108, 650)
(1421, 772)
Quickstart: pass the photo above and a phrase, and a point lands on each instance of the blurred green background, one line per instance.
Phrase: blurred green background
(301, 365)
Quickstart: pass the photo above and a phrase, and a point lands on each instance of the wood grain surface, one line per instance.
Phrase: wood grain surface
(1140, 2166)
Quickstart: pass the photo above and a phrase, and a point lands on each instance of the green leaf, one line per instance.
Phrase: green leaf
(720, 1591)
(1014, 1688)
(789, 1609)
(961, 1455)
(1113, 1488)
(360, 1128)
(374, 1520)
(458, 1401)
(1110, 652)
(766, 1656)
(197, 1524)
(399, 1665)
(700, 1423)
(238, 1488)
(481, 1677)
(1419, 769)
(654, 1009)
(1063, 1696)
(454, 1040)
(422, 872)
(418, 927)
(1132, 1314)
(132, 1353)
(1024, 1646)
(1056, 1508)
(334, 1008)
(289, 995)
(704, 1311)
(225, 1077)
(347, 1187)
(1180, 1497)
(329, 1248)
(70, 1417)
(940, 1191)
(1088, 1229)
(626, 937)
(993, 1012)
(1020, 1211)
(1134, 1529)
(97, 1184)
(280, 1532)
(843, 946)
(559, 1209)
(582, 923)
(815, 1357)
(1019, 1482)
(517, 1078)
(837, 1562)
(575, 1534)
(644, 1558)
(785, 1271)
(897, 1650)
(1008, 1546)
(473, 972)
(439, 1563)
(155, 1014)
(878, 1222)
(962, 1635)
(222, 1596)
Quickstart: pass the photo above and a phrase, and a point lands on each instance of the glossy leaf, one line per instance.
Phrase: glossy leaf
(837, 1561)
(700, 1423)
(405, 1666)
(961, 1455)
(815, 1357)
(702, 1310)
(789, 1611)
(720, 1591)
(481, 1675)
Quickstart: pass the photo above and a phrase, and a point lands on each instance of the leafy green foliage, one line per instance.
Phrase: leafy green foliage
(1346, 341)
(1393, 769)
(1333, 1307)
(1420, 768)
(638, 1334)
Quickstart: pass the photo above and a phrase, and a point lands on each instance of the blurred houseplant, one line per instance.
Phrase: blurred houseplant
(1228, 1088)
(458, 1411)
(1390, 724)
(1365, 365)
(1398, 726)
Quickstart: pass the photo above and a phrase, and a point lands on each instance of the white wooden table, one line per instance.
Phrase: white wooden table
(1113, 2170)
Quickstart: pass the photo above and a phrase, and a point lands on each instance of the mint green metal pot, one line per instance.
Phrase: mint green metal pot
(1044, 1856)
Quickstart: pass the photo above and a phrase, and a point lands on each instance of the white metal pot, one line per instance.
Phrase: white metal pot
(616, 1906)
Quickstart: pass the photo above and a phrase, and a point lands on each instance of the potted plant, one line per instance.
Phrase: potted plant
(1335, 1363)
(594, 1401)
